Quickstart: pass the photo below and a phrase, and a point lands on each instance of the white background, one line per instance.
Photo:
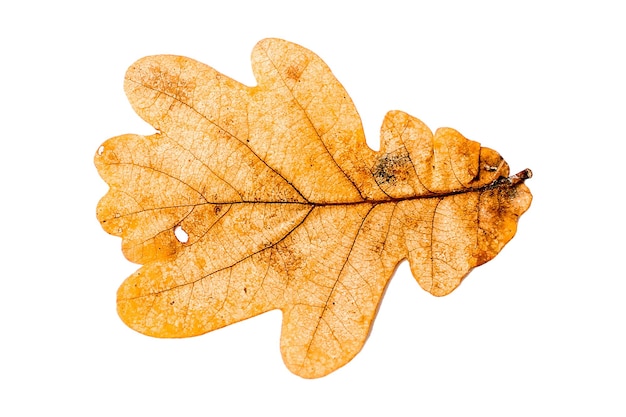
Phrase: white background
(538, 331)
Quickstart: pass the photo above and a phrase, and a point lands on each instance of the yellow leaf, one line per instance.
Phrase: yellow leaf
(250, 199)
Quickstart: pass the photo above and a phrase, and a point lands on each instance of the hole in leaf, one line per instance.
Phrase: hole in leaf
(180, 234)
(100, 150)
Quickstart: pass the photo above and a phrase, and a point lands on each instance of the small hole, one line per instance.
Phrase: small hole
(100, 150)
(180, 234)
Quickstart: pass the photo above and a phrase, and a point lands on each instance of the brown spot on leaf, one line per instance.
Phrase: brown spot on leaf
(293, 72)
(392, 167)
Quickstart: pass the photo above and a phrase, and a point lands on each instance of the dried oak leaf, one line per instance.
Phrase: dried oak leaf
(285, 207)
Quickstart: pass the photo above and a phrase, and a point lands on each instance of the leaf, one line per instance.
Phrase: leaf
(280, 204)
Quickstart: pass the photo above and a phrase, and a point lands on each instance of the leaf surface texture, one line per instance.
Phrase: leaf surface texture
(285, 207)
